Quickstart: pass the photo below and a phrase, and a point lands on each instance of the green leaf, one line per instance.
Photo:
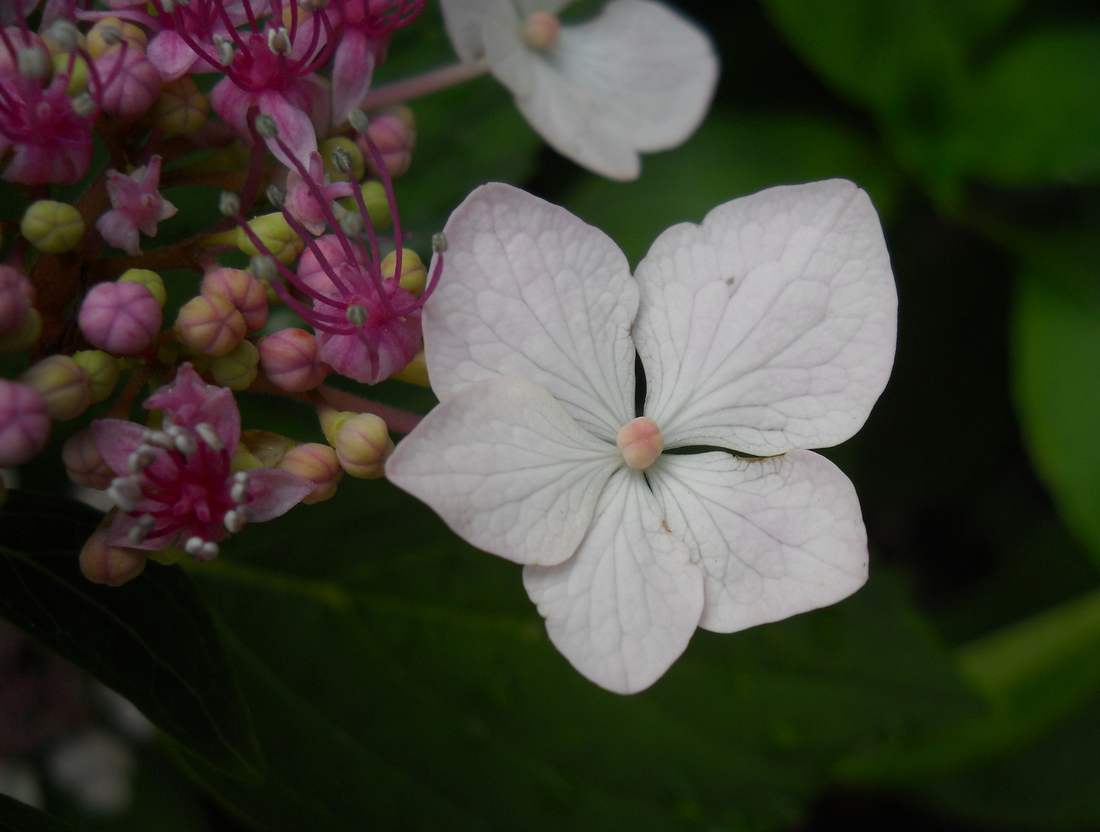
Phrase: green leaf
(19, 817)
(151, 640)
(729, 156)
(1032, 114)
(399, 678)
(1056, 341)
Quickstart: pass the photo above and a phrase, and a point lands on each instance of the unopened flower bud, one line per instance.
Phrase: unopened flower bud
(415, 372)
(374, 198)
(62, 383)
(238, 369)
(149, 279)
(23, 338)
(394, 135)
(52, 227)
(318, 464)
(24, 423)
(541, 30)
(362, 445)
(16, 297)
(210, 324)
(413, 277)
(103, 372)
(180, 107)
(341, 157)
(84, 463)
(109, 32)
(110, 565)
(266, 126)
(244, 291)
(265, 447)
(291, 360)
(276, 235)
(131, 83)
(34, 62)
(78, 80)
(121, 318)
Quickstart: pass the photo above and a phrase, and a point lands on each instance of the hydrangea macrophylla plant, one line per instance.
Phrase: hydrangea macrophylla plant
(174, 486)
(638, 77)
(766, 330)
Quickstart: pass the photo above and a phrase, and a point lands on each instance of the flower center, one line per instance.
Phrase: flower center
(641, 442)
(541, 30)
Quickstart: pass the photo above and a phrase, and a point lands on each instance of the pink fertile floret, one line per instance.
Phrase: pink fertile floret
(120, 318)
(24, 423)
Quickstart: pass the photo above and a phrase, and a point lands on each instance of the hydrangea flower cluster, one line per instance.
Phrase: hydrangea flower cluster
(764, 331)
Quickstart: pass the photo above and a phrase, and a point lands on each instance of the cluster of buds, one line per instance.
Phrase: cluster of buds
(304, 180)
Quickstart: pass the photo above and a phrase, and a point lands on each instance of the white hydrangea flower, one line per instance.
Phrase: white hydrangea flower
(638, 77)
(766, 330)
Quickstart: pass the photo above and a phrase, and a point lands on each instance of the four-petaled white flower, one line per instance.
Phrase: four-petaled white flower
(766, 330)
(638, 77)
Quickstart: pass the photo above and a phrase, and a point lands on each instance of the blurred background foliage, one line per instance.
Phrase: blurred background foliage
(355, 666)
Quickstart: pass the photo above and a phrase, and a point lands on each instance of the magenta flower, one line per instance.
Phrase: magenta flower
(363, 29)
(51, 142)
(300, 199)
(272, 72)
(174, 486)
(136, 204)
(367, 326)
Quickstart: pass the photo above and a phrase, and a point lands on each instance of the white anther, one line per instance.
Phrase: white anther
(140, 530)
(278, 41)
(266, 126)
(358, 120)
(33, 63)
(234, 521)
(141, 458)
(229, 204)
(185, 443)
(209, 552)
(351, 223)
(194, 545)
(84, 105)
(357, 315)
(241, 476)
(275, 196)
(224, 49)
(63, 33)
(168, 6)
(263, 267)
(239, 491)
(210, 436)
(160, 439)
(439, 242)
(126, 492)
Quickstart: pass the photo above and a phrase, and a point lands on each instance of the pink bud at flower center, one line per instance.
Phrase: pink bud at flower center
(541, 30)
(641, 442)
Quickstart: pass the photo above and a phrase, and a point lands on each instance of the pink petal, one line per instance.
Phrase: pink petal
(117, 228)
(171, 55)
(295, 129)
(116, 439)
(273, 492)
(352, 68)
(231, 103)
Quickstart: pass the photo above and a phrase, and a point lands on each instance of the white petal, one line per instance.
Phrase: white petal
(775, 537)
(463, 20)
(637, 77)
(507, 469)
(624, 607)
(772, 325)
(529, 290)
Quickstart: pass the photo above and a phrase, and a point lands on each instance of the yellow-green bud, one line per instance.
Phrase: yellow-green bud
(108, 32)
(103, 372)
(150, 280)
(317, 463)
(25, 337)
(210, 324)
(78, 81)
(265, 447)
(415, 372)
(413, 275)
(180, 108)
(378, 206)
(358, 168)
(238, 369)
(362, 443)
(52, 227)
(63, 384)
(275, 234)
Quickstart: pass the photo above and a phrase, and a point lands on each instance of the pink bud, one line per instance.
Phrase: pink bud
(24, 423)
(394, 134)
(210, 324)
(111, 565)
(16, 297)
(84, 463)
(131, 83)
(318, 464)
(245, 292)
(291, 360)
(120, 318)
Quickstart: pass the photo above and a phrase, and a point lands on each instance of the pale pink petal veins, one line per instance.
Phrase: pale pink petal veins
(507, 469)
(171, 55)
(352, 69)
(774, 537)
(273, 492)
(770, 326)
(532, 291)
(625, 606)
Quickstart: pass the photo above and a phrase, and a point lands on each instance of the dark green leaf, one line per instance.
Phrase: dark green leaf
(19, 817)
(152, 640)
(400, 679)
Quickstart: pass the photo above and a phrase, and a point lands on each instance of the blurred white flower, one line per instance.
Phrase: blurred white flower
(95, 767)
(638, 77)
